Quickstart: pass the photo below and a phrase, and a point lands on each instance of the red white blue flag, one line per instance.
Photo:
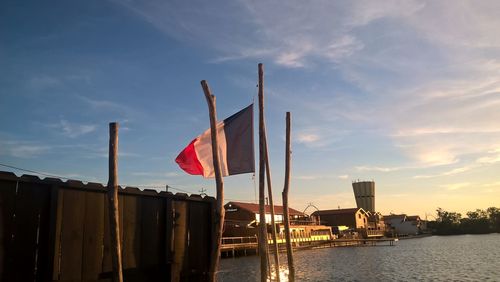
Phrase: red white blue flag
(236, 148)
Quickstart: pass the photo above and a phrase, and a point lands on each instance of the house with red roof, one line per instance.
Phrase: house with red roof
(242, 219)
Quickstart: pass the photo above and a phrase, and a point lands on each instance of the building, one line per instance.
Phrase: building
(364, 193)
(403, 225)
(354, 218)
(242, 220)
(248, 213)
(376, 225)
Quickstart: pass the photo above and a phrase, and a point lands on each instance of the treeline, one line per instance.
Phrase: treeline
(476, 222)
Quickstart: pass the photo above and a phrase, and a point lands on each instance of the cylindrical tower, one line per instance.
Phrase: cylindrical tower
(364, 192)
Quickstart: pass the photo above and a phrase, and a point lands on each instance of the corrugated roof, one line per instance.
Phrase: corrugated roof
(255, 208)
(338, 211)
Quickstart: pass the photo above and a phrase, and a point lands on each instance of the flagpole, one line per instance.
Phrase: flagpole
(286, 218)
(219, 223)
(262, 211)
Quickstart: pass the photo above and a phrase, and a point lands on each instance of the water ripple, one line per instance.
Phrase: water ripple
(436, 258)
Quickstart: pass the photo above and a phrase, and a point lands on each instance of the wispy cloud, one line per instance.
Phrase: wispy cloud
(101, 104)
(320, 176)
(307, 138)
(44, 81)
(155, 174)
(380, 169)
(73, 130)
(343, 176)
(283, 32)
(447, 173)
(455, 186)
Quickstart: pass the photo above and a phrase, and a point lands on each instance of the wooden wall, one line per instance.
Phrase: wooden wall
(58, 231)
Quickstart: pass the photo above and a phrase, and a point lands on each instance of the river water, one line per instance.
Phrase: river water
(436, 258)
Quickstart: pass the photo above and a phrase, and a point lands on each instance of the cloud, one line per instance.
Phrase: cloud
(491, 158)
(73, 130)
(447, 173)
(307, 138)
(155, 174)
(23, 149)
(380, 169)
(27, 151)
(102, 104)
(427, 79)
(455, 186)
(44, 81)
(292, 34)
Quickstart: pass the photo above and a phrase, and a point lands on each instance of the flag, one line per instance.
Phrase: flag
(235, 143)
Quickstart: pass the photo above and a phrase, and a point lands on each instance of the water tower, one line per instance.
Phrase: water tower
(364, 192)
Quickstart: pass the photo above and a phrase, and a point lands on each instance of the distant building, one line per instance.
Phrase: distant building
(242, 220)
(248, 213)
(401, 224)
(364, 193)
(354, 218)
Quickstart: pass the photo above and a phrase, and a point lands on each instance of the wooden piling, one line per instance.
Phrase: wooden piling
(180, 209)
(262, 211)
(219, 224)
(286, 188)
(271, 207)
(113, 203)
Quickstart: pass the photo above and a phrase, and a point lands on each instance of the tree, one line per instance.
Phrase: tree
(494, 218)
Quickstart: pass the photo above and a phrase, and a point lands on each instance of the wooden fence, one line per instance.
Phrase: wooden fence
(58, 231)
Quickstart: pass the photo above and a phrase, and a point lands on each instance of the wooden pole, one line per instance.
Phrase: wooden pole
(262, 211)
(286, 216)
(219, 224)
(114, 222)
(271, 207)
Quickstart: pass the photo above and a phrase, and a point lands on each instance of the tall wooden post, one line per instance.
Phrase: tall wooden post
(114, 225)
(271, 207)
(219, 224)
(262, 211)
(289, 251)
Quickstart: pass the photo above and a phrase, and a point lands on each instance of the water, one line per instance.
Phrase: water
(436, 258)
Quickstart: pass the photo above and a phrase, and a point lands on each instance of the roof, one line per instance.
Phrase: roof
(395, 216)
(254, 208)
(413, 218)
(338, 211)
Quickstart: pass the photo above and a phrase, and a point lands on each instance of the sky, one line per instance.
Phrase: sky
(404, 93)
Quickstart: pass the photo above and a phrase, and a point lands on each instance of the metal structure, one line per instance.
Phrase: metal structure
(364, 192)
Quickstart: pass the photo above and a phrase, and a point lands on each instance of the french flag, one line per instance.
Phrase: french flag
(235, 142)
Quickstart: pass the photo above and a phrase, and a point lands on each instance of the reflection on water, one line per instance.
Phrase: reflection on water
(283, 272)
(437, 258)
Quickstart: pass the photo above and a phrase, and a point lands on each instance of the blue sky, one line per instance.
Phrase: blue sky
(404, 93)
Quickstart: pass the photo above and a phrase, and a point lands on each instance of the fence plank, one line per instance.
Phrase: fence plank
(7, 205)
(150, 229)
(131, 231)
(60, 232)
(30, 227)
(93, 235)
(56, 225)
(72, 234)
(169, 235)
(106, 258)
(198, 249)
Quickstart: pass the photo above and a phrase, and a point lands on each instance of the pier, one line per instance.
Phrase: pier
(243, 246)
